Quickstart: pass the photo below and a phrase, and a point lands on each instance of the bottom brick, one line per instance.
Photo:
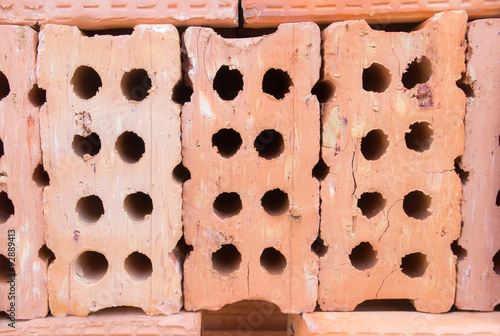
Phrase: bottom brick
(118, 321)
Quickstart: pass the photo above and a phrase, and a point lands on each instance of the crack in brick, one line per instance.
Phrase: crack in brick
(382, 284)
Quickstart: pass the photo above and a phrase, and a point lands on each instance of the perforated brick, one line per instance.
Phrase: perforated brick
(268, 13)
(99, 14)
(391, 132)
(251, 139)
(111, 138)
(478, 280)
(21, 223)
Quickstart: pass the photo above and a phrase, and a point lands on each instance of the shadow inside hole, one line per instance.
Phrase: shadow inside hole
(4, 86)
(273, 261)
(419, 71)
(86, 82)
(87, 146)
(6, 207)
(118, 311)
(458, 251)
(91, 266)
(46, 254)
(462, 174)
(497, 202)
(181, 93)
(227, 204)
(416, 204)
(1, 148)
(323, 90)
(137, 206)
(319, 247)
(374, 144)
(363, 256)
(371, 203)
(406, 27)
(110, 32)
(275, 202)
(138, 266)
(414, 265)
(40, 176)
(90, 209)
(496, 263)
(37, 96)
(228, 82)
(181, 174)
(135, 84)
(5, 269)
(464, 84)
(376, 78)
(226, 260)
(269, 144)
(320, 170)
(385, 305)
(182, 250)
(276, 83)
(419, 138)
(497, 307)
(227, 141)
(130, 147)
(4, 316)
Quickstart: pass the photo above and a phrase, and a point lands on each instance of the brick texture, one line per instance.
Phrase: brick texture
(396, 323)
(269, 13)
(390, 205)
(111, 138)
(251, 139)
(20, 195)
(99, 14)
(478, 280)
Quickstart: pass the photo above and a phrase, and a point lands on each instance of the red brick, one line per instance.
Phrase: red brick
(21, 196)
(478, 280)
(95, 14)
(392, 193)
(269, 13)
(110, 154)
(214, 279)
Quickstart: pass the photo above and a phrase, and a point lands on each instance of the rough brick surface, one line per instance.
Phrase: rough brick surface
(104, 14)
(122, 323)
(396, 323)
(392, 191)
(241, 250)
(478, 280)
(20, 196)
(268, 13)
(110, 150)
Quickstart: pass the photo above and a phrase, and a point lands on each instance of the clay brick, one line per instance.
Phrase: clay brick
(251, 139)
(98, 14)
(110, 139)
(390, 205)
(20, 194)
(122, 323)
(396, 323)
(478, 278)
(269, 13)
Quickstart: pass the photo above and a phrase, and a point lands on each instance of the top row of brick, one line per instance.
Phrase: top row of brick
(107, 14)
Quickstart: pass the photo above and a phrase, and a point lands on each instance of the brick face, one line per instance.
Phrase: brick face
(478, 284)
(111, 138)
(391, 132)
(20, 195)
(251, 206)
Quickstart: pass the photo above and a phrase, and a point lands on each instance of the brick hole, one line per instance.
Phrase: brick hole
(226, 260)
(227, 141)
(90, 209)
(181, 93)
(86, 146)
(371, 203)
(497, 202)
(228, 82)
(416, 204)
(497, 307)
(465, 86)
(396, 27)
(135, 84)
(91, 266)
(227, 205)
(363, 256)
(4, 86)
(4, 316)
(414, 264)
(269, 144)
(4, 269)
(46, 254)
(130, 147)
(181, 174)
(86, 82)
(462, 174)
(275, 202)
(323, 90)
(182, 250)
(273, 261)
(40, 176)
(37, 96)
(121, 311)
(419, 71)
(138, 266)
(320, 170)
(111, 32)
(419, 138)
(276, 83)
(374, 144)
(138, 205)
(1, 148)
(6, 207)
(458, 250)
(385, 305)
(319, 247)
(376, 78)
(496, 263)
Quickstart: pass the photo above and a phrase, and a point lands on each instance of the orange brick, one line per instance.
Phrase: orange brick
(396, 323)
(111, 138)
(113, 323)
(390, 205)
(269, 13)
(20, 194)
(478, 280)
(251, 139)
(97, 14)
